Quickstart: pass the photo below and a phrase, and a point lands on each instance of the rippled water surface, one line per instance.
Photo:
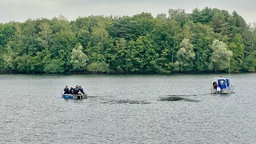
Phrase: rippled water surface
(126, 109)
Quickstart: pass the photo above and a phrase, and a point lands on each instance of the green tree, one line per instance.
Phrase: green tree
(249, 63)
(7, 63)
(179, 15)
(120, 56)
(54, 66)
(78, 59)
(220, 57)
(23, 64)
(201, 39)
(141, 24)
(98, 67)
(144, 55)
(185, 56)
(7, 31)
(121, 28)
(236, 45)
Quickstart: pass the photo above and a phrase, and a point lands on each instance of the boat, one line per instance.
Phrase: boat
(74, 96)
(76, 93)
(222, 85)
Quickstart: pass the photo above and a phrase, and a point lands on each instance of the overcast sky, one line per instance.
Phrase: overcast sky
(21, 10)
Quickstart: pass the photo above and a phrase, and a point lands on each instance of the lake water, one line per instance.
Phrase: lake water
(126, 109)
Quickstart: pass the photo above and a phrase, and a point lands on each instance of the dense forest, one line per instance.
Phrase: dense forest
(207, 40)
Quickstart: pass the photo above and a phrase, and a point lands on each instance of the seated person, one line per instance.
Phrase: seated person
(75, 90)
(81, 89)
(215, 85)
(66, 90)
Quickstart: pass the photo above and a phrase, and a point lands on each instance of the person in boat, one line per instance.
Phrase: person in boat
(71, 91)
(76, 90)
(215, 85)
(81, 89)
(66, 90)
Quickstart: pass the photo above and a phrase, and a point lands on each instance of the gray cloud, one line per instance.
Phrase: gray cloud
(21, 10)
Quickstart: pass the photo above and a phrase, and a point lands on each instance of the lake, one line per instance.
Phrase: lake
(126, 109)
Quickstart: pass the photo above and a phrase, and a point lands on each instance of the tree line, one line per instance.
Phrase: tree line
(207, 40)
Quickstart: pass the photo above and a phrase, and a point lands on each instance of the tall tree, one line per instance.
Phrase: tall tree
(78, 59)
(236, 45)
(220, 57)
(185, 57)
(201, 39)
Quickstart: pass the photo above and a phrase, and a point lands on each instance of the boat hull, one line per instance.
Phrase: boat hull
(228, 90)
(74, 96)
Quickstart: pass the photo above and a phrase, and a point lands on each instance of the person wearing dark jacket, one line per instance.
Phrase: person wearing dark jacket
(81, 89)
(76, 90)
(66, 90)
(215, 85)
(71, 90)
